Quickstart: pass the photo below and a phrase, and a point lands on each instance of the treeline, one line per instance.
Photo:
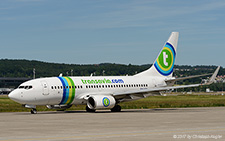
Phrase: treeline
(24, 68)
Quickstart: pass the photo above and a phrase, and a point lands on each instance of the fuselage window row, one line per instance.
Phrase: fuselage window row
(100, 86)
(116, 86)
(66, 87)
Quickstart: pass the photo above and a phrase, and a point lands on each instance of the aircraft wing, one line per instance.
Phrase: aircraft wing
(157, 90)
(173, 80)
(188, 77)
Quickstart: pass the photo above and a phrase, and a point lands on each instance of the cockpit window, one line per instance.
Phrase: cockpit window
(21, 87)
(25, 87)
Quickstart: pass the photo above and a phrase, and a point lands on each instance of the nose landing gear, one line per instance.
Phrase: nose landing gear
(32, 107)
(33, 111)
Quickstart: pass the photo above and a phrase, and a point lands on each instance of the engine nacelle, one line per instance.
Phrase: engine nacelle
(101, 102)
(59, 107)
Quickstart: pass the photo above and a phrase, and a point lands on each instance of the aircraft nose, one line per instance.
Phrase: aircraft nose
(14, 95)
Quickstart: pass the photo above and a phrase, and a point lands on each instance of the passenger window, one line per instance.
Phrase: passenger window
(70, 87)
(81, 87)
(29, 87)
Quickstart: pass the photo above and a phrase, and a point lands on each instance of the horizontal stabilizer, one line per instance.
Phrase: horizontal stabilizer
(213, 77)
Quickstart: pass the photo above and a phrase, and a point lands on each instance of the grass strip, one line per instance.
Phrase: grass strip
(181, 101)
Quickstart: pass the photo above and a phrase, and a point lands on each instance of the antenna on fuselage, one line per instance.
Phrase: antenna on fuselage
(33, 73)
(60, 75)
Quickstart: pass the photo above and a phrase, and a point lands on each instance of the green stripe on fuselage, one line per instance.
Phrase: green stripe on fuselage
(73, 90)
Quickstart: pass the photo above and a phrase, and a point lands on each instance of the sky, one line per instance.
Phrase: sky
(112, 31)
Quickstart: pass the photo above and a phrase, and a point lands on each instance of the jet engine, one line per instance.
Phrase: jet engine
(95, 102)
(58, 107)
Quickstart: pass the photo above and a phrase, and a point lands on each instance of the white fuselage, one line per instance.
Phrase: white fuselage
(72, 90)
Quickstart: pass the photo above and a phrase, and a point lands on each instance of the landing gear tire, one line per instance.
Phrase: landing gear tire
(89, 110)
(33, 111)
(116, 108)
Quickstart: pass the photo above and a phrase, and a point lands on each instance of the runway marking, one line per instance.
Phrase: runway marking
(125, 134)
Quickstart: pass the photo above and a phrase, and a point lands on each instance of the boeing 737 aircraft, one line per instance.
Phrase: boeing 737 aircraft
(104, 92)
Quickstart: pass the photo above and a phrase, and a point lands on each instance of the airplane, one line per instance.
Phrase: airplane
(104, 92)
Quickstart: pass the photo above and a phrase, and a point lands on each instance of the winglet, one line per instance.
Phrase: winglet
(213, 77)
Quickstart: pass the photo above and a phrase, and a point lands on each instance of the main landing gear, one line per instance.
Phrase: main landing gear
(116, 108)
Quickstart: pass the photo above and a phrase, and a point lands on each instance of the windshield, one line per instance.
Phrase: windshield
(25, 87)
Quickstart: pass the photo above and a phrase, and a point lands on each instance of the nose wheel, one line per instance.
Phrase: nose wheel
(33, 111)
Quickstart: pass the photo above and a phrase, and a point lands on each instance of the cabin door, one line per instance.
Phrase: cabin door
(45, 90)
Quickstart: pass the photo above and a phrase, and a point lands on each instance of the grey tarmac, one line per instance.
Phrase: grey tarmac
(141, 124)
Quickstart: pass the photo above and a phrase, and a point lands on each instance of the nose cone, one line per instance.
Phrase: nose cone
(15, 96)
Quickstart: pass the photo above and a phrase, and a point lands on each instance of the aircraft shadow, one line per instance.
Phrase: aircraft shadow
(158, 110)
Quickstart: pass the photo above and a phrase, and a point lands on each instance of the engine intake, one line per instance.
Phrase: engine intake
(101, 102)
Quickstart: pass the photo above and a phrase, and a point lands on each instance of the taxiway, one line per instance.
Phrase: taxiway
(142, 124)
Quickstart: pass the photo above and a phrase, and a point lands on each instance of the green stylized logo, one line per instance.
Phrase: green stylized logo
(106, 101)
(165, 61)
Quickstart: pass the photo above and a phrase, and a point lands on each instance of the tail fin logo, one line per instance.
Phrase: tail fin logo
(165, 61)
